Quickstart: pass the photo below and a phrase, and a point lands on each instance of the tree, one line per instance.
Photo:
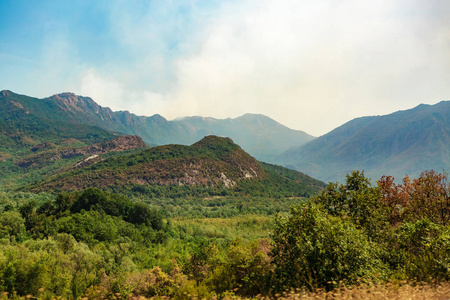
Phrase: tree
(356, 199)
(427, 197)
(12, 225)
(315, 249)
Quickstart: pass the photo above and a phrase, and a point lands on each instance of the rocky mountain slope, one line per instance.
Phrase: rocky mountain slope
(45, 159)
(402, 143)
(261, 136)
(23, 126)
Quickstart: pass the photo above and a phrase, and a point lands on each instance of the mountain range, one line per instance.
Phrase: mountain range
(69, 143)
(259, 135)
(399, 144)
(402, 143)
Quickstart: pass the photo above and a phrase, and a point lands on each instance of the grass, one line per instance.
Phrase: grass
(391, 291)
(246, 227)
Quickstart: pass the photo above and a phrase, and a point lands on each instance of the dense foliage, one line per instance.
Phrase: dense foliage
(357, 230)
(211, 167)
(96, 244)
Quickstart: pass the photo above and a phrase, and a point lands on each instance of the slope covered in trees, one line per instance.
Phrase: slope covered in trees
(213, 166)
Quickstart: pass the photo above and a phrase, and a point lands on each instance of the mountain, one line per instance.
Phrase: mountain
(402, 143)
(261, 136)
(70, 108)
(22, 127)
(213, 166)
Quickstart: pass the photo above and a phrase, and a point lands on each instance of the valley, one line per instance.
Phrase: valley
(103, 204)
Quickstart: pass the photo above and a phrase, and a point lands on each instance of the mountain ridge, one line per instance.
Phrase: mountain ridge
(272, 139)
(405, 142)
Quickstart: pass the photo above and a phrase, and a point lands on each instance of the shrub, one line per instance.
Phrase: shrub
(315, 249)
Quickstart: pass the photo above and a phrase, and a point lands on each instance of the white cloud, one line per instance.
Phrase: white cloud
(107, 92)
(311, 65)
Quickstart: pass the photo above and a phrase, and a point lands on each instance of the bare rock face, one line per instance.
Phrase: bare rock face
(123, 143)
(83, 106)
(43, 146)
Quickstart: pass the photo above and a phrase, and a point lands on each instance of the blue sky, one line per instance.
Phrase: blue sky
(311, 65)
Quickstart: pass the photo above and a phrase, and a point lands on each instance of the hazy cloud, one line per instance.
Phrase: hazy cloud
(315, 64)
(311, 65)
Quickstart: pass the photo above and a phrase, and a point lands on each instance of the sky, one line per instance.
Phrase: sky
(310, 65)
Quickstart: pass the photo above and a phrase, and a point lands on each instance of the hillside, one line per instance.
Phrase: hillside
(22, 126)
(212, 166)
(402, 143)
(259, 135)
(39, 161)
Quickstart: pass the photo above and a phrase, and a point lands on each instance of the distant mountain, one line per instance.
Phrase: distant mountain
(261, 136)
(212, 166)
(403, 143)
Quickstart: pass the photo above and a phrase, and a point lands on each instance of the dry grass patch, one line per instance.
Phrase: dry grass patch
(375, 291)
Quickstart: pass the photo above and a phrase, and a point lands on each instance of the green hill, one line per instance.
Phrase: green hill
(24, 132)
(210, 167)
(22, 127)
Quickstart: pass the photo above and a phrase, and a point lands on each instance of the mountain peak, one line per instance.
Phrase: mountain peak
(67, 94)
(5, 93)
(79, 103)
(251, 115)
(214, 142)
(405, 142)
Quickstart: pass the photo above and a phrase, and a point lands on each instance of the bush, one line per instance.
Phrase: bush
(314, 249)
(424, 250)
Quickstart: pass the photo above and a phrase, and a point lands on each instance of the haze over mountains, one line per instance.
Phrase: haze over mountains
(402, 143)
(259, 135)
(69, 143)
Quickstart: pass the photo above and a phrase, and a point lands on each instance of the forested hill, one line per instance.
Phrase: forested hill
(210, 167)
(259, 135)
(402, 143)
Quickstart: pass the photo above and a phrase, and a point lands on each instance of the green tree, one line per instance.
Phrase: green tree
(360, 201)
(12, 225)
(315, 249)
(423, 250)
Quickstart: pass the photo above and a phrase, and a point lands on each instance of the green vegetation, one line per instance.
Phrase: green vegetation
(211, 167)
(199, 221)
(355, 230)
(96, 244)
